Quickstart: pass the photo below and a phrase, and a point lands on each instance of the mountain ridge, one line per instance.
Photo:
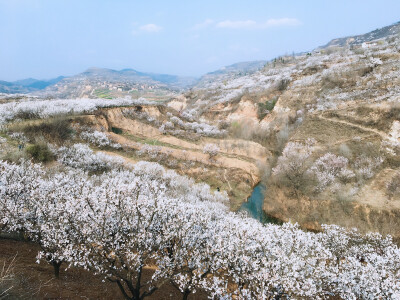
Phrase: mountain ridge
(135, 79)
(363, 38)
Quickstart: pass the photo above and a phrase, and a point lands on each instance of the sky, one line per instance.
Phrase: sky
(47, 38)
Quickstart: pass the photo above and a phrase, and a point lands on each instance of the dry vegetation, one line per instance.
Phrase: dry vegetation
(321, 131)
(344, 98)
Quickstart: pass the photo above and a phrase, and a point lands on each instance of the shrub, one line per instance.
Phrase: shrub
(266, 107)
(283, 84)
(26, 115)
(116, 130)
(211, 149)
(40, 152)
(345, 151)
(292, 165)
(328, 168)
(56, 130)
(98, 138)
(14, 156)
(339, 79)
(393, 186)
(235, 128)
(366, 166)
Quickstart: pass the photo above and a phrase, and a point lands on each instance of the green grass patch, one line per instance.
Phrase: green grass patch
(265, 107)
(105, 94)
(56, 130)
(40, 152)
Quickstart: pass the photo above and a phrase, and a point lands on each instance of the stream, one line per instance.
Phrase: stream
(254, 205)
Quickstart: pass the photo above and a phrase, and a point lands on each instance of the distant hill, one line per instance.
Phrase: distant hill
(27, 85)
(367, 37)
(36, 84)
(132, 75)
(109, 83)
(91, 81)
(11, 88)
(98, 78)
(246, 67)
(238, 69)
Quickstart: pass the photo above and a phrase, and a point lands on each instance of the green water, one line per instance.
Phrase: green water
(254, 205)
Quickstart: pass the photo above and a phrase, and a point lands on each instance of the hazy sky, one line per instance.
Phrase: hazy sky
(47, 38)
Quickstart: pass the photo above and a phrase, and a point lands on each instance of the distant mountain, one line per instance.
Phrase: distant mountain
(109, 83)
(26, 85)
(98, 78)
(36, 84)
(131, 75)
(94, 80)
(383, 32)
(245, 66)
(238, 69)
(11, 88)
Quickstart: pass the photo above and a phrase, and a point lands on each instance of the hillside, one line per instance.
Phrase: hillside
(345, 100)
(144, 196)
(238, 69)
(108, 83)
(103, 83)
(380, 33)
(26, 85)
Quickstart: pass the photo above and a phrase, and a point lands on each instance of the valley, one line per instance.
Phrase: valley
(296, 159)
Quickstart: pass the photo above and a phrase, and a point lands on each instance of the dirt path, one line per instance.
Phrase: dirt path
(227, 181)
(380, 133)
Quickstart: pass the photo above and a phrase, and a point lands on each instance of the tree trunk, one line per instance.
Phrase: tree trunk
(186, 294)
(56, 266)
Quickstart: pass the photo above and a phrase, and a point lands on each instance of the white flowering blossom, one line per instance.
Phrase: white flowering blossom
(203, 129)
(81, 156)
(120, 222)
(19, 136)
(211, 149)
(329, 167)
(99, 139)
(47, 108)
(292, 164)
(366, 166)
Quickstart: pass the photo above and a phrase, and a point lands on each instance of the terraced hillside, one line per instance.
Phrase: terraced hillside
(333, 109)
(320, 131)
(143, 130)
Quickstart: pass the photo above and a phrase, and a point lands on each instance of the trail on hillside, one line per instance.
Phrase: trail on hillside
(380, 133)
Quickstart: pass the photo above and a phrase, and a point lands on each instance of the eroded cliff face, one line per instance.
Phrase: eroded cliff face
(347, 101)
(311, 213)
(235, 169)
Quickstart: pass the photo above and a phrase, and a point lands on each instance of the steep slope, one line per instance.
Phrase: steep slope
(339, 105)
(379, 33)
(238, 69)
